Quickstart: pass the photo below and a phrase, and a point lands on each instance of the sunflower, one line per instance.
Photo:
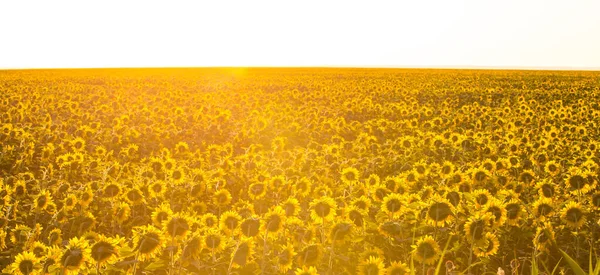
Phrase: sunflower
(552, 168)
(356, 215)
(243, 253)
(482, 197)
(229, 222)
(447, 169)
(161, 213)
(177, 226)
(78, 144)
(577, 183)
(169, 163)
(299, 231)
(86, 198)
(390, 228)
(543, 207)
(52, 259)
(594, 200)
(489, 246)
(55, 237)
(257, 190)
(397, 268)
(20, 189)
(105, 249)
(349, 176)
(306, 270)
(111, 190)
(544, 236)
(250, 227)
(277, 183)
(214, 241)
(134, 196)
(273, 221)
(480, 176)
(285, 258)
(322, 209)
(371, 266)
(209, 220)
(222, 198)
(76, 255)
(426, 250)
(392, 205)
(362, 203)
(25, 263)
(38, 249)
(513, 211)
(498, 211)
(291, 207)
(198, 189)
(440, 211)
(573, 215)
(310, 254)
(42, 200)
(379, 192)
(302, 187)
(157, 189)
(192, 247)
(340, 230)
(373, 179)
(148, 241)
(545, 188)
(476, 227)
(527, 176)
(122, 212)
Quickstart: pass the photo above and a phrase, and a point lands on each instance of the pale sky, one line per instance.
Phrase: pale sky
(443, 33)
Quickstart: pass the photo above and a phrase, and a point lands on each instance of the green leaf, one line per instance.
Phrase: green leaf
(412, 265)
(126, 252)
(439, 265)
(158, 264)
(534, 267)
(572, 263)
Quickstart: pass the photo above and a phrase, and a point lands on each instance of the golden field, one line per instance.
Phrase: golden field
(299, 171)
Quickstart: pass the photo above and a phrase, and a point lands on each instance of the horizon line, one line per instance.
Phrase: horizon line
(449, 67)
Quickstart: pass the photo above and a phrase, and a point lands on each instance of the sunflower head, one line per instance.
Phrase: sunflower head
(306, 270)
(573, 214)
(25, 263)
(440, 211)
(488, 247)
(105, 249)
(372, 265)
(214, 241)
(243, 252)
(426, 250)
(349, 176)
(273, 221)
(148, 241)
(76, 254)
(323, 209)
(229, 222)
(177, 225)
(543, 207)
(392, 204)
(397, 268)
(476, 226)
(545, 188)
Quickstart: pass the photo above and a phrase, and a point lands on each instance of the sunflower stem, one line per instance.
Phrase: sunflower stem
(135, 263)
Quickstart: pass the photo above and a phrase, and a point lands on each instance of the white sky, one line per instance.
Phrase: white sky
(444, 33)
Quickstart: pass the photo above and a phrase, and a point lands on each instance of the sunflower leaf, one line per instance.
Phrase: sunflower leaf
(572, 263)
(158, 264)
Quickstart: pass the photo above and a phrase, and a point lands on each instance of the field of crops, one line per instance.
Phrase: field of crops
(298, 171)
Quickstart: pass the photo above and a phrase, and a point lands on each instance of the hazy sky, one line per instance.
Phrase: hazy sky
(507, 33)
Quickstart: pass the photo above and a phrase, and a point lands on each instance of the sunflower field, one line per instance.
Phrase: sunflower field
(299, 171)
